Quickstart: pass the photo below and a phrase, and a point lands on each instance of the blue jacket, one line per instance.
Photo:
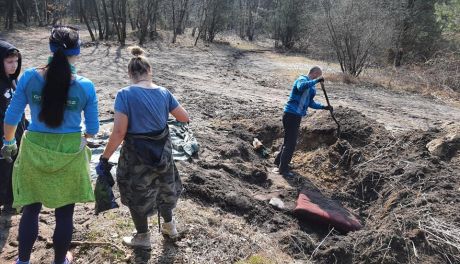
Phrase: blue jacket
(302, 94)
(81, 98)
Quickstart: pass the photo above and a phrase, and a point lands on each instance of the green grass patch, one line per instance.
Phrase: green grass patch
(256, 259)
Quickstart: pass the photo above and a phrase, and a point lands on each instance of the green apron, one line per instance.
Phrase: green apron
(52, 169)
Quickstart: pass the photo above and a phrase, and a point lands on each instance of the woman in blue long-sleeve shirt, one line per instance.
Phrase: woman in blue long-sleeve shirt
(301, 98)
(52, 168)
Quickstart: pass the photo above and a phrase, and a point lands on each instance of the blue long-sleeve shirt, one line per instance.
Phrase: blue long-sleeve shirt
(301, 97)
(81, 98)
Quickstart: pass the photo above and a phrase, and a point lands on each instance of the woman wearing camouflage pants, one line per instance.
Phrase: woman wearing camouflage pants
(146, 174)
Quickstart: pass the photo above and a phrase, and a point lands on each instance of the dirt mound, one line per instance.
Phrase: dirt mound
(397, 188)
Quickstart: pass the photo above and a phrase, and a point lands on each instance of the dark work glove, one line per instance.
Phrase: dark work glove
(328, 107)
(103, 193)
(103, 167)
(320, 79)
(9, 150)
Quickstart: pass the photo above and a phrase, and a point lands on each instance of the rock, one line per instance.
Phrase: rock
(277, 202)
(14, 243)
(256, 144)
(445, 147)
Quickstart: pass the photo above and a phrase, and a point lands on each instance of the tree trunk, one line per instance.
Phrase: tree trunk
(123, 21)
(180, 23)
(37, 13)
(253, 10)
(9, 15)
(153, 21)
(144, 19)
(22, 17)
(194, 31)
(131, 19)
(241, 18)
(398, 57)
(82, 13)
(204, 15)
(173, 21)
(45, 13)
(98, 20)
(115, 20)
(106, 19)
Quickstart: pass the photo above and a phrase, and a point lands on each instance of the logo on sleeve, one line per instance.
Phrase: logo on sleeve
(36, 97)
(8, 94)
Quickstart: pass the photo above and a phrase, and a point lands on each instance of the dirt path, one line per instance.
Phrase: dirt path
(233, 96)
(266, 75)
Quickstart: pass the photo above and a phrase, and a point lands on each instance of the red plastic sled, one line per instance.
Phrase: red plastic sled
(313, 206)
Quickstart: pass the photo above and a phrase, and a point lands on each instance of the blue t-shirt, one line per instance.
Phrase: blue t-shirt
(302, 96)
(147, 108)
(81, 98)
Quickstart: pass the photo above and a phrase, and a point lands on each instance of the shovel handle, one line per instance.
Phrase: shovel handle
(330, 109)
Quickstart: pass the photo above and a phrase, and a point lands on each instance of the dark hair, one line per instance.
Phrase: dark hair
(10, 78)
(138, 65)
(12, 53)
(58, 77)
(314, 69)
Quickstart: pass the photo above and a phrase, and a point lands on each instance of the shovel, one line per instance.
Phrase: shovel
(331, 111)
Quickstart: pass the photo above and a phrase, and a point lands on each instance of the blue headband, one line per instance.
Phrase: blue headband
(67, 52)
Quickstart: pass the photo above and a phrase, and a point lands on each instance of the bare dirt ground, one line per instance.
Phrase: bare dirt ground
(380, 168)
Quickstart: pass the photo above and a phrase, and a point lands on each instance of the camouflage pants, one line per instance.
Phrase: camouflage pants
(146, 175)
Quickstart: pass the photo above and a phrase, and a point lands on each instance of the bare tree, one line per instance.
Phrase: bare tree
(106, 21)
(355, 28)
(119, 19)
(416, 31)
(202, 23)
(248, 17)
(288, 21)
(85, 19)
(145, 9)
(214, 18)
(178, 17)
(37, 13)
(98, 19)
(21, 12)
(9, 15)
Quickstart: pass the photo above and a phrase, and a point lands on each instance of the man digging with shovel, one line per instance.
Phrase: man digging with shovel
(302, 95)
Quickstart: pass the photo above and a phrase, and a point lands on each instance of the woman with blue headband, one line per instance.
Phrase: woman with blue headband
(52, 168)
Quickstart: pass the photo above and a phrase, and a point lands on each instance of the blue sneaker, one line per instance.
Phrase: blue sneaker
(287, 174)
(68, 258)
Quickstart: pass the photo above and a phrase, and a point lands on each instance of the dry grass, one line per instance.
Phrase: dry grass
(225, 237)
(291, 67)
(410, 79)
(337, 77)
(244, 45)
(405, 79)
(443, 237)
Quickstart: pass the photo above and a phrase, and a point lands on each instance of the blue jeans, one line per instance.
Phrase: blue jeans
(291, 125)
